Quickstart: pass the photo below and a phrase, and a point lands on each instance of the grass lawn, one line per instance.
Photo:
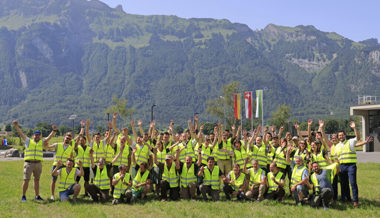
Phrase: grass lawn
(11, 206)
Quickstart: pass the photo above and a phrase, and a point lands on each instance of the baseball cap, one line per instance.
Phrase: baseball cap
(37, 132)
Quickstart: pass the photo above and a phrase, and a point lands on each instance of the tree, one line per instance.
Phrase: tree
(120, 106)
(8, 128)
(223, 106)
(178, 129)
(331, 126)
(281, 116)
(63, 130)
(208, 128)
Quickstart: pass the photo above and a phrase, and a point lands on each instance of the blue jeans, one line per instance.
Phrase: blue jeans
(348, 175)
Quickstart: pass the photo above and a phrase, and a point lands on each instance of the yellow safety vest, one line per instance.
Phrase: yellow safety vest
(270, 155)
(123, 158)
(170, 176)
(187, 175)
(280, 158)
(347, 156)
(315, 182)
(240, 157)
(224, 155)
(83, 155)
(139, 179)
(320, 159)
(332, 154)
(34, 151)
(297, 174)
(213, 178)
(142, 154)
(120, 187)
(255, 177)
(62, 154)
(98, 150)
(272, 185)
(101, 179)
(66, 180)
(237, 183)
(110, 153)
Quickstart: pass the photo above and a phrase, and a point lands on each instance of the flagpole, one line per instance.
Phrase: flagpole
(262, 111)
(241, 119)
(251, 111)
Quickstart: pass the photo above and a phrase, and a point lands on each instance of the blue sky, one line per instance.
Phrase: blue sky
(356, 20)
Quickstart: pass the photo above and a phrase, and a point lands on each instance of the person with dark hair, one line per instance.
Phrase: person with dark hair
(82, 154)
(211, 182)
(141, 183)
(122, 183)
(321, 184)
(276, 183)
(67, 184)
(235, 183)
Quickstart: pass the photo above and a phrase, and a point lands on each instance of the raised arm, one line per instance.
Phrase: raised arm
(118, 154)
(196, 122)
(368, 140)
(52, 133)
(265, 135)
(82, 123)
(139, 123)
(297, 127)
(22, 135)
(280, 131)
(325, 141)
(353, 126)
(134, 130)
(114, 116)
(107, 139)
(309, 123)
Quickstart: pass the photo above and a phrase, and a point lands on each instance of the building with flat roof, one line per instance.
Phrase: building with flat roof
(369, 109)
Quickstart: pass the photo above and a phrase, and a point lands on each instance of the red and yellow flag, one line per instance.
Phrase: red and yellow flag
(237, 106)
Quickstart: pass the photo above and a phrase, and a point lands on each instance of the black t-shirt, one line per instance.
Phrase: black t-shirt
(100, 170)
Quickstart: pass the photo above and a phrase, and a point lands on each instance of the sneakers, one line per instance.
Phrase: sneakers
(52, 198)
(23, 199)
(38, 198)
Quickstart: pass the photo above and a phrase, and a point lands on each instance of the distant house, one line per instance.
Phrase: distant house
(3, 133)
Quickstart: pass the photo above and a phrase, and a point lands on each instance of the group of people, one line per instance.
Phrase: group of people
(245, 166)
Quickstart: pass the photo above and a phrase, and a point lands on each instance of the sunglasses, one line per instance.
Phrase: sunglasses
(102, 162)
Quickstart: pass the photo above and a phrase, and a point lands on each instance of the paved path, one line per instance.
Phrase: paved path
(363, 157)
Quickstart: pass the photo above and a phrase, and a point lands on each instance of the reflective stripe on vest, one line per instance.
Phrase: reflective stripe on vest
(212, 179)
(260, 154)
(110, 153)
(237, 183)
(98, 150)
(297, 174)
(120, 187)
(139, 179)
(347, 156)
(66, 180)
(240, 157)
(62, 154)
(34, 151)
(83, 155)
(123, 157)
(187, 175)
(280, 158)
(170, 176)
(270, 155)
(255, 178)
(272, 185)
(142, 154)
(101, 179)
(320, 159)
(222, 154)
(315, 182)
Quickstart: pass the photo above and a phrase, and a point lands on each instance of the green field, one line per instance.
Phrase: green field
(11, 206)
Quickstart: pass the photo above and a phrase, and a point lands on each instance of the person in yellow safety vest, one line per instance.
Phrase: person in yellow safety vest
(141, 151)
(63, 152)
(302, 152)
(240, 154)
(319, 155)
(211, 180)
(33, 156)
(122, 183)
(321, 185)
(188, 176)
(235, 183)
(224, 151)
(67, 184)
(257, 181)
(170, 177)
(346, 153)
(82, 153)
(156, 173)
(141, 183)
(334, 158)
(101, 185)
(280, 159)
(270, 154)
(96, 144)
(275, 183)
(299, 180)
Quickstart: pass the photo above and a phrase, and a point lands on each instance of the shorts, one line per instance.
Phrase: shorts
(32, 167)
(65, 194)
(86, 176)
(136, 193)
(54, 178)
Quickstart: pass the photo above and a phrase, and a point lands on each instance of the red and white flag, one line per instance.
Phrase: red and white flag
(248, 105)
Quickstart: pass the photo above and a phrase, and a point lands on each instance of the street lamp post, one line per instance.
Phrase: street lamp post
(72, 117)
(108, 117)
(151, 112)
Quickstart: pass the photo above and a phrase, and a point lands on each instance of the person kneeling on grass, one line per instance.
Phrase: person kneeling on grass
(67, 184)
(276, 182)
(211, 180)
(300, 177)
(141, 183)
(122, 181)
(257, 181)
(235, 183)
